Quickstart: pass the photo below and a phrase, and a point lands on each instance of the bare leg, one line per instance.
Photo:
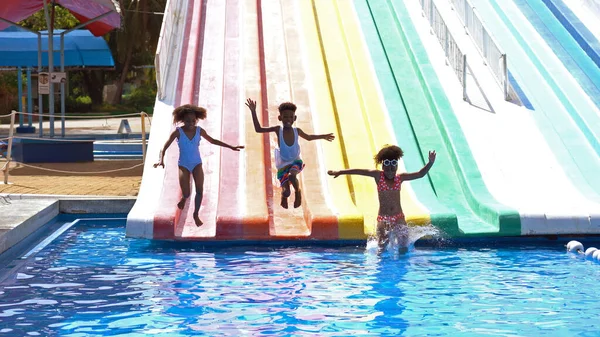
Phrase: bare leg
(402, 232)
(285, 193)
(382, 235)
(184, 183)
(199, 182)
(297, 192)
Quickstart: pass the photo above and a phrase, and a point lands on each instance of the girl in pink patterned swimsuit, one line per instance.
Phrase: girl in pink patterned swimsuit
(390, 215)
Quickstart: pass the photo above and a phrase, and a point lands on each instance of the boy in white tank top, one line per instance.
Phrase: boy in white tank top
(287, 156)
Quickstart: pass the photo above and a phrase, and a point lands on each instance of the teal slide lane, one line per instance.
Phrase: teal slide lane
(584, 115)
(409, 82)
(577, 157)
(579, 64)
(441, 216)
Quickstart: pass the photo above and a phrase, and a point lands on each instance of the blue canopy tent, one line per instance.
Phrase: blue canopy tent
(82, 49)
(97, 16)
(19, 49)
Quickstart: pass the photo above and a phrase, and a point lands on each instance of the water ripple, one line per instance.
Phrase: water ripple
(93, 281)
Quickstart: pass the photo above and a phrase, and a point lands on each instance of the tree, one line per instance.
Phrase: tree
(136, 42)
(132, 45)
(63, 19)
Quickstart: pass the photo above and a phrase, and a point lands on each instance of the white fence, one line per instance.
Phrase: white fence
(494, 57)
(454, 56)
(169, 40)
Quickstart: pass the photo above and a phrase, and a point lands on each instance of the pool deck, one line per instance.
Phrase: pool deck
(35, 196)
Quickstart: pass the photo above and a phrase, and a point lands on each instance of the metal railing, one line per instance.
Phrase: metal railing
(454, 56)
(167, 41)
(11, 131)
(493, 56)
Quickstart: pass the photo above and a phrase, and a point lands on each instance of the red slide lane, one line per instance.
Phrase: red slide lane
(167, 213)
(242, 211)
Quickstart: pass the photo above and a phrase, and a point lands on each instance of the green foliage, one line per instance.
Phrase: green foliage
(134, 44)
(141, 98)
(78, 104)
(63, 19)
(9, 99)
(83, 100)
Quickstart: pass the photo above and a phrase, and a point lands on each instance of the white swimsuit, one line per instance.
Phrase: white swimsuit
(189, 152)
(285, 155)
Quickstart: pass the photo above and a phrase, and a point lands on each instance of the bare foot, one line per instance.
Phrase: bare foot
(284, 203)
(181, 203)
(197, 220)
(298, 200)
(286, 192)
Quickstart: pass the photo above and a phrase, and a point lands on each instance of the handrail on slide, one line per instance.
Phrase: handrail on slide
(490, 50)
(454, 56)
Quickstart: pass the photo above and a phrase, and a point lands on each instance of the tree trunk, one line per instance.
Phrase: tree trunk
(145, 15)
(123, 77)
(94, 82)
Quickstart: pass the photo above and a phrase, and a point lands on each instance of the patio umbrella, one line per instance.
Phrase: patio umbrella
(83, 10)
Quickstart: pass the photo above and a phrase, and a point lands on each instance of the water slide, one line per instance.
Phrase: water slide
(370, 73)
(578, 57)
(582, 17)
(562, 113)
(415, 98)
(514, 158)
(221, 52)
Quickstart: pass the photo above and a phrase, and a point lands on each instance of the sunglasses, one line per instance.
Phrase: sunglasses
(393, 162)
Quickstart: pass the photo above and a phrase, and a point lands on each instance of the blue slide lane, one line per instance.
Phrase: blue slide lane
(586, 119)
(564, 46)
(588, 42)
(554, 116)
(519, 91)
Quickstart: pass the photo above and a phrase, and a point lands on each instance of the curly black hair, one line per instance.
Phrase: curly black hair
(388, 152)
(180, 112)
(287, 106)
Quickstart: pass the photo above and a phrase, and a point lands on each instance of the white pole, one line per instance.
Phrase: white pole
(62, 86)
(40, 96)
(464, 77)
(505, 75)
(143, 117)
(50, 65)
(9, 150)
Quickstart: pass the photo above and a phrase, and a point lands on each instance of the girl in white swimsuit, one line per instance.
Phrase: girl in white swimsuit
(188, 138)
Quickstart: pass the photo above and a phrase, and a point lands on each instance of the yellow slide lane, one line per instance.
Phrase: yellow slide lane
(373, 106)
(350, 219)
(360, 114)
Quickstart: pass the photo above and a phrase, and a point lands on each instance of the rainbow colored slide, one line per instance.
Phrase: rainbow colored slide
(360, 69)
(271, 51)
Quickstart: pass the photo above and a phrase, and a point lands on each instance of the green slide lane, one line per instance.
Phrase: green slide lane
(441, 216)
(419, 108)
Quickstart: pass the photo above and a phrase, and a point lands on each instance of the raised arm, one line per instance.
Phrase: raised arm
(257, 127)
(359, 172)
(218, 142)
(161, 155)
(328, 137)
(422, 172)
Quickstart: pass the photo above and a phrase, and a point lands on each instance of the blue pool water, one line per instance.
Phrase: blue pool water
(92, 281)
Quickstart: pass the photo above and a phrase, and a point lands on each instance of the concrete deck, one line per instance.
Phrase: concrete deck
(35, 195)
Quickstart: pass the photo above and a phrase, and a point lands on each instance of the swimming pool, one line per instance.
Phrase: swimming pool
(92, 281)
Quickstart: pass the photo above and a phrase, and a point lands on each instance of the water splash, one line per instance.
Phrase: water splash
(400, 244)
(417, 232)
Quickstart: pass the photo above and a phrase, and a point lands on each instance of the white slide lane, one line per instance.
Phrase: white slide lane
(515, 161)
